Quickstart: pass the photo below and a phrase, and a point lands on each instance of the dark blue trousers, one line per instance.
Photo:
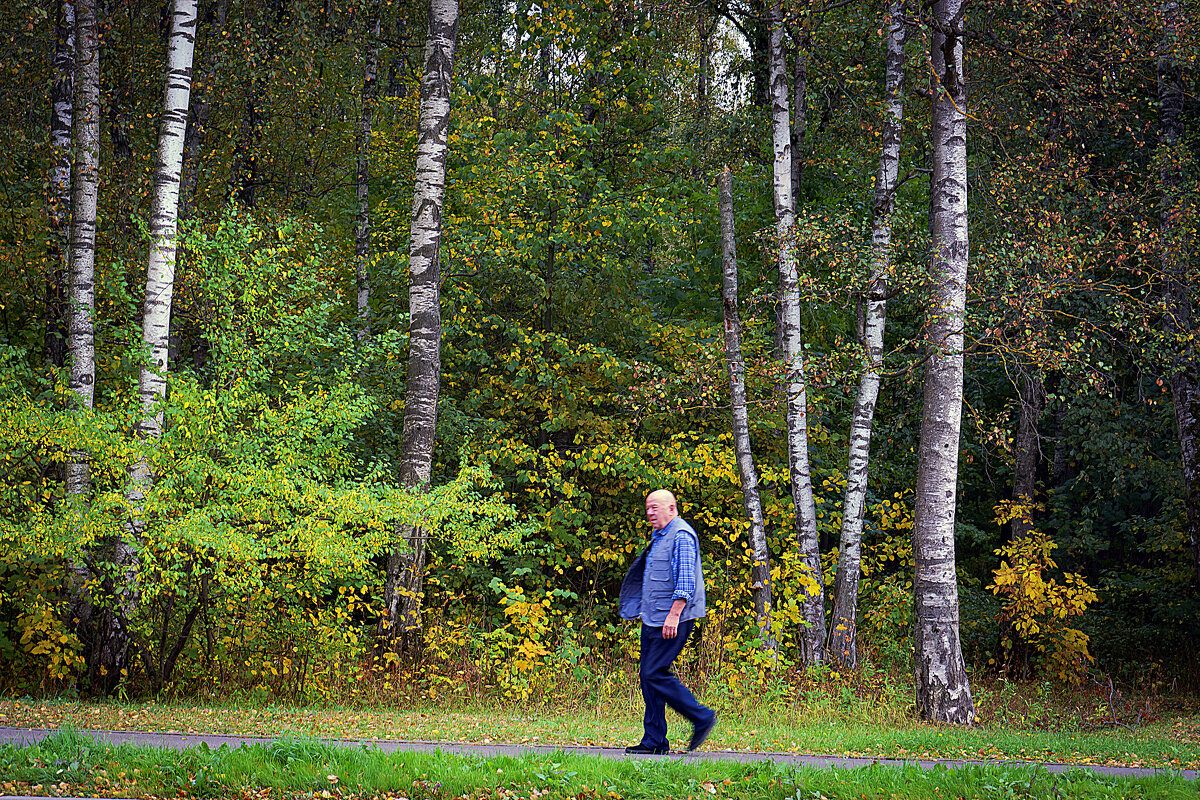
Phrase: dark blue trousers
(660, 687)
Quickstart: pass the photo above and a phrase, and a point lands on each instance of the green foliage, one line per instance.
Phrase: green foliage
(582, 357)
(301, 766)
(262, 522)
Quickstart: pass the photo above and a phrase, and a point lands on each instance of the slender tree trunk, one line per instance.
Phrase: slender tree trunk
(543, 79)
(243, 173)
(200, 109)
(85, 179)
(187, 328)
(549, 270)
(397, 84)
(58, 309)
(704, 68)
(760, 570)
(160, 282)
(100, 630)
(119, 102)
(1059, 471)
(813, 639)
(1031, 397)
(843, 631)
(406, 566)
(942, 689)
(164, 215)
(703, 101)
(62, 109)
(1185, 380)
(799, 111)
(362, 226)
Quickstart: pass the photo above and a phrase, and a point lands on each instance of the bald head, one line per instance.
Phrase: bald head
(660, 509)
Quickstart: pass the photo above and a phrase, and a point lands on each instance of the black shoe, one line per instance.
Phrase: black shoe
(641, 750)
(700, 732)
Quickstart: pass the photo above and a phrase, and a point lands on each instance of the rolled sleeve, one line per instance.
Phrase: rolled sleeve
(683, 564)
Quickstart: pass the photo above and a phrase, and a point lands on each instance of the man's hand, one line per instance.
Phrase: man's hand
(671, 626)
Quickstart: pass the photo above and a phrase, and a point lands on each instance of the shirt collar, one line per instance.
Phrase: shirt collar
(662, 531)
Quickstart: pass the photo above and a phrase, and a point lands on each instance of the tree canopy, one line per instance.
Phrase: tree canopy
(582, 353)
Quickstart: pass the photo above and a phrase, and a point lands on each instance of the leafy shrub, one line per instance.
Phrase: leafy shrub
(257, 549)
(1036, 607)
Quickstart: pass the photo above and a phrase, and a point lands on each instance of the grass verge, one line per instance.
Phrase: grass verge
(299, 766)
(1172, 744)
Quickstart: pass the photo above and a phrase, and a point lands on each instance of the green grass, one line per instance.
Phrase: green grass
(785, 727)
(298, 766)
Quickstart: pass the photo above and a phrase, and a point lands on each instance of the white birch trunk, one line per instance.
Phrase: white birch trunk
(85, 180)
(843, 624)
(406, 566)
(1185, 380)
(799, 110)
(62, 117)
(160, 272)
(362, 223)
(100, 630)
(813, 603)
(760, 569)
(199, 110)
(943, 692)
(156, 310)
(62, 109)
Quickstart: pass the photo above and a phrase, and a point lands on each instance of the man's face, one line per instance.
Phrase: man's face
(659, 512)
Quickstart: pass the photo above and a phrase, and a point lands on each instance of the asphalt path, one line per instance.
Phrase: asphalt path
(181, 741)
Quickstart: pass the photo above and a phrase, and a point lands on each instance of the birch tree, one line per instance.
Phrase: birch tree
(813, 612)
(362, 223)
(85, 180)
(406, 565)
(942, 689)
(93, 624)
(760, 569)
(160, 273)
(843, 624)
(62, 107)
(200, 109)
(58, 294)
(703, 67)
(802, 39)
(1185, 380)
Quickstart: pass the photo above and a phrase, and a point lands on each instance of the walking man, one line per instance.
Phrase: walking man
(665, 590)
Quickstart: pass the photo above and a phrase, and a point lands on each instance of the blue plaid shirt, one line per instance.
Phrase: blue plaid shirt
(683, 561)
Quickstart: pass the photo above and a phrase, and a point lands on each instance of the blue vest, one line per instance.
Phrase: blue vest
(648, 591)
